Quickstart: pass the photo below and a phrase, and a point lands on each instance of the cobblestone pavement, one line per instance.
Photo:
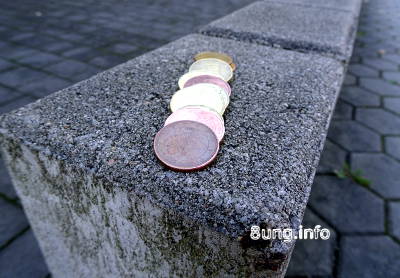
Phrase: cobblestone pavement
(365, 133)
(49, 45)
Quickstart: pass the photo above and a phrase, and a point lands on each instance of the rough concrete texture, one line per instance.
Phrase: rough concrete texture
(83, 163)
(299, 27)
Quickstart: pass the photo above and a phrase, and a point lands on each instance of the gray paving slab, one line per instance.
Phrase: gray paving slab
(394, 219)
(369, 257)
(380, 86)
(23, 259)
(333, 158)
(380, 120)
(392, 104)
(392, 146)
(352, 136)
(11, 223)
(298, 27)
(343, 111)
(381, 170)
(15, 103)
(359, 97)
(313, 257)
(129, 104)
(344, 205)
(20, 76)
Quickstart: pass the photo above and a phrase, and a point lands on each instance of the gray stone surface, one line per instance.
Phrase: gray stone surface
(343, 111)
(359, 97)
(332, 158)
(11, 223)
(392, 104)
(23, 259)
(313, 257)
(272, 125)
(380, 86)
(392, 146)
(394, 219)
(362, 70)
(382, 121)
(376, 166)
(344, 204)
(290, 26)
(371, 252)
(352, 136)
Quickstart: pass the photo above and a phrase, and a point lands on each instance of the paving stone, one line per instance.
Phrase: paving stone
(350, 80)
(392, 145)
(89, 72)
(392, 76)
(16, 103)
(123, 48)
(23, 258)
(45, 86)
(395, 58)
(313, 257)
(362, 70)
(380, 120)
(358, 96)
(380, 64)
(332, 158)
(16, 52)
(382, 170)
(11, 223)
(107, 61)
(7, 95)
(20, 76)
(6, 187)
(344, 204)
(380, 86)
(369, 257)
(67, 68)
(40, 60)
(343, 111)
(394, 219)
(352, 136)
(5, 65)
(81, 53)
(57, 46)
(292, 26)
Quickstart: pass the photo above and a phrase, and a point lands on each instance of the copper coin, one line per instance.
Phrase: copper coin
(209, 79)
(186, 145)
(202, 115)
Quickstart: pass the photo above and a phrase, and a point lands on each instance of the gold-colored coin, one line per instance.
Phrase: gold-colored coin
(189, 75)
(213, 66)
(205, 94)
(216, 55)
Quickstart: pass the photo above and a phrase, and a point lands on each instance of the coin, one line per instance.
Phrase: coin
(213, 66)
(217, 55)
(202, 115)
(184, 78)
(186, 145)
(204, 94)
(209, 79)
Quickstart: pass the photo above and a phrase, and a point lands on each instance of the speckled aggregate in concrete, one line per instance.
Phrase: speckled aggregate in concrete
(345, 5)
(290, 26)
(275, 128)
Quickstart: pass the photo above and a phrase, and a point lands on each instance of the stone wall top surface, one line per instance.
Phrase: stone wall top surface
(275, 126)
(306, 28)
(345, 5)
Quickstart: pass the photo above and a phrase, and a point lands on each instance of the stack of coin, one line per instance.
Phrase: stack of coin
(191, 135)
